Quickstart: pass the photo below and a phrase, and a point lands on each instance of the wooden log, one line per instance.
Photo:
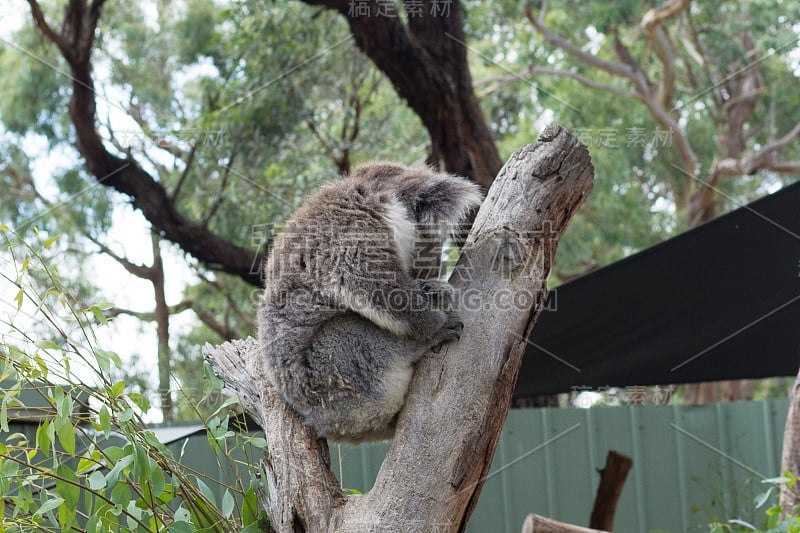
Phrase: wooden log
(612, 480)
(535, 523)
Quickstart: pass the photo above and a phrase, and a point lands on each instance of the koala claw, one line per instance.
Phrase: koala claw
(451, 331)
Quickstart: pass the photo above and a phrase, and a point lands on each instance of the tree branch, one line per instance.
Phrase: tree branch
(761, 158)
(438, 449)
(205, 316)
(125, 175)
(47, 31)
(652, 26)
(140, 271)
(499, 81)
(426, 62)
(220, 196)
(618, 69)
(147, 316)
(630, 70)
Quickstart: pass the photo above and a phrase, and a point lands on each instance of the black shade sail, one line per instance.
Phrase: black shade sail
(721, 301)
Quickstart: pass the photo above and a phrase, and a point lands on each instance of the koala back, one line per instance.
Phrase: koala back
(344, 317)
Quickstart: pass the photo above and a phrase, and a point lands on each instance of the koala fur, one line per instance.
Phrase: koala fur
(349, 303)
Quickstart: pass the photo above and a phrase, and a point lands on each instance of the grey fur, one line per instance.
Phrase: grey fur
(350, 304)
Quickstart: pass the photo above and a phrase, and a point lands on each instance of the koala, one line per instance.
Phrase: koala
(351, 300)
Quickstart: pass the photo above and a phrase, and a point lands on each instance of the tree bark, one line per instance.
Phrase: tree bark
(535, 523)
(612, 479)
(459, 398)
(162, 329)
(790, 458)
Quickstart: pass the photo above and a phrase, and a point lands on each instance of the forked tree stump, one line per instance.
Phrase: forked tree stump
(612, 480)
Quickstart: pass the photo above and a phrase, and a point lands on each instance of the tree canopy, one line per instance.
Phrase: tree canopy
(215, 119)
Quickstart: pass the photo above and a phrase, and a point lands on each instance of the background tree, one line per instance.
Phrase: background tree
(703, 89)
(214, 119)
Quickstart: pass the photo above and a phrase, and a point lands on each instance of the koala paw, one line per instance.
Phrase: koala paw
(451, 331)
(439, 293)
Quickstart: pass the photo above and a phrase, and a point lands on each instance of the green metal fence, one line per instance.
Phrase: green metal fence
(691, 465)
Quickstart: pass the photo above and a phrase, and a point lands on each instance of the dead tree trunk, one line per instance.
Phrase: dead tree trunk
(790, 459)
(612, 479)
(459, 398)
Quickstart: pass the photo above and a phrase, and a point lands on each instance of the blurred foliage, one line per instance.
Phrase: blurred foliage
(75, 452)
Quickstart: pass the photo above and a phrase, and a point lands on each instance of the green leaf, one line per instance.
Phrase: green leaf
(118, 388)
(121, 494)
(48, 345)
(125, 415)
(211, 383)
(250, 507)
(88, 461)
(91, 524)
(762, 498)
(181, 527)
(98, 314)
(18, 299)
(258, 442)
(66, 436)
(44, 435)
(141, 463)
(97, 480)
(48, 505)
(140, 400)
(49, 242)
(774, 514)
(776, 480)
(181, 514)
(157, 481)
(104, 359)
(104, 417)
(115, 453)
(742, 523)
(68, 486)
(153, 441)
(228, 402)
(206, 491)
(134, 514)
(113, 476)
(227, 504)
(9, 468)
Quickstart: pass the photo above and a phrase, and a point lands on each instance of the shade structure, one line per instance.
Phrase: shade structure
(721, 301)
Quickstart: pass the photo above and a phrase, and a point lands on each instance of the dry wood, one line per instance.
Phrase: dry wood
(459, 398)
(790, 459)
(612, 479)
(535, 523)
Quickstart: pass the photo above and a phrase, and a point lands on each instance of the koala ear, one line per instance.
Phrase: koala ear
(446, 199)
(378, 170)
